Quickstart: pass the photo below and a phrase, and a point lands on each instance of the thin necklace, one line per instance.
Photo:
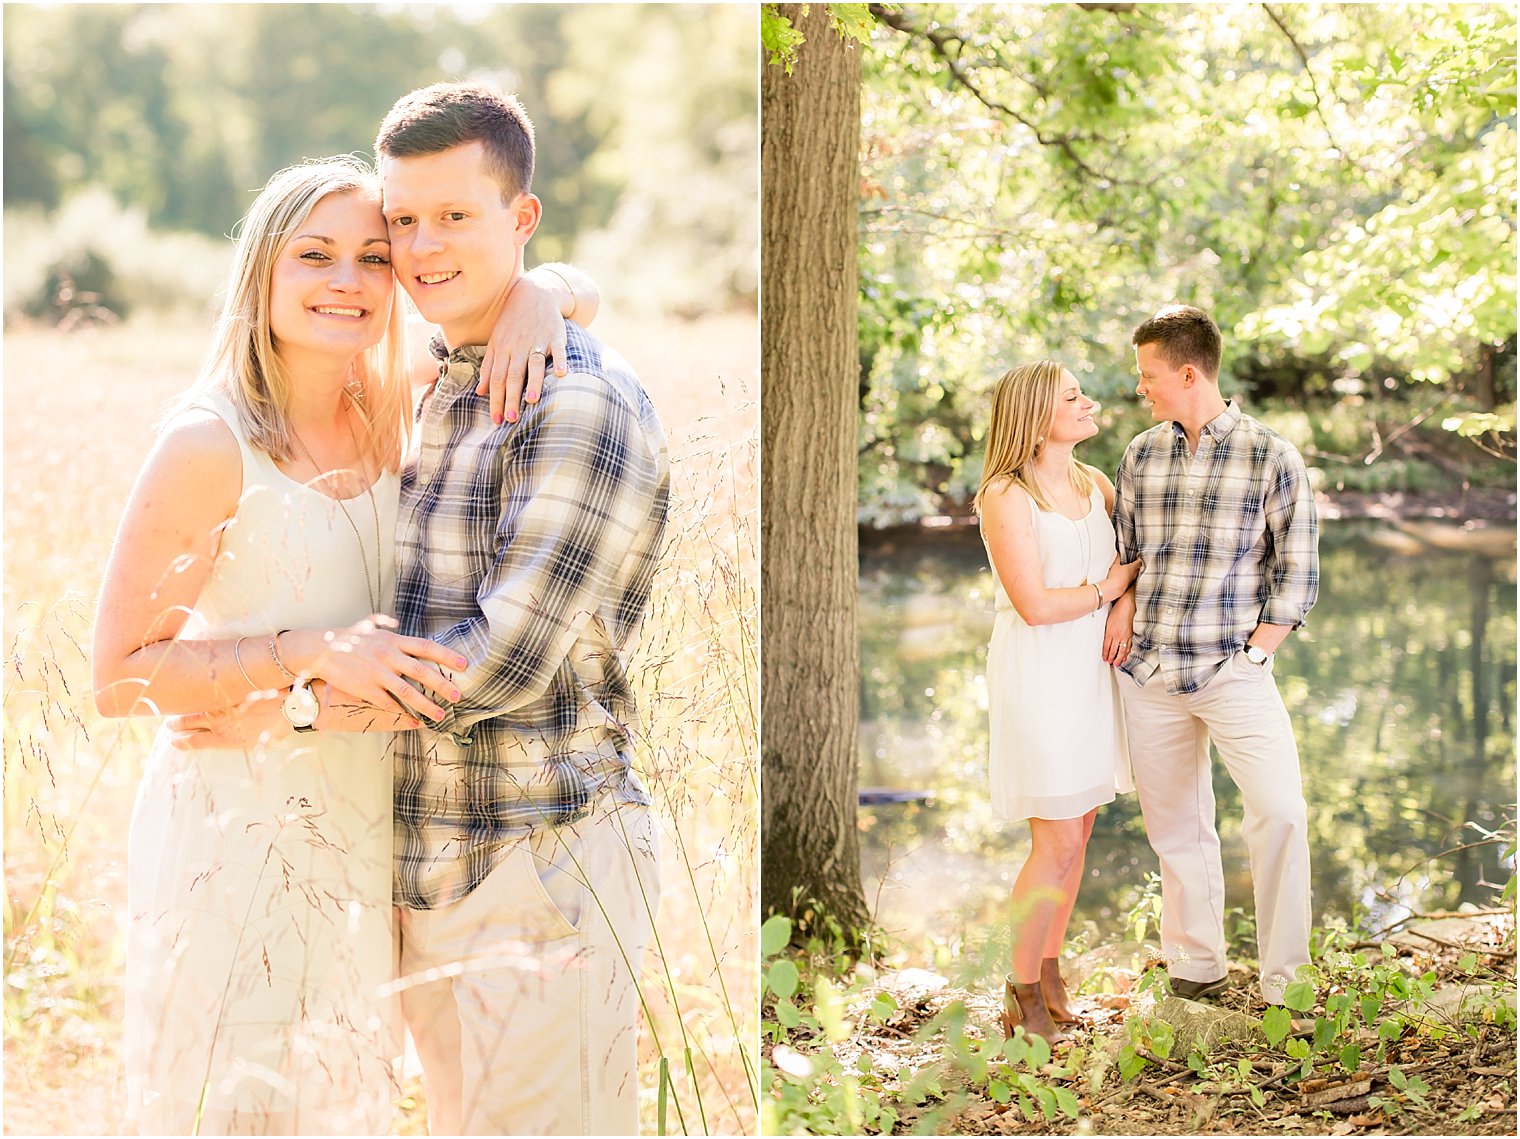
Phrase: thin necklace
(369, 492)
(1084, 539)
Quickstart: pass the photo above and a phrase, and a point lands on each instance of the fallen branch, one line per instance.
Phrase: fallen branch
(1502, 953)
(1161, 1062)
(1434, 915)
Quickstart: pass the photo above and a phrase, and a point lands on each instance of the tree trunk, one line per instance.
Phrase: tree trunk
(810, 164)
(1486, 397)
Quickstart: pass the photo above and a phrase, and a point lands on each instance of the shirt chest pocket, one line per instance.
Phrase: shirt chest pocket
(1241, 526)
(453, 569)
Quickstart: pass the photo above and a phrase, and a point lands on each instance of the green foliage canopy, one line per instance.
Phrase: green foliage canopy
(1336, 184)
(646, 115)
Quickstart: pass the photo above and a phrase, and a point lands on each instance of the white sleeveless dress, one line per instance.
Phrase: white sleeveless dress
(259, 881)
(1057, 747)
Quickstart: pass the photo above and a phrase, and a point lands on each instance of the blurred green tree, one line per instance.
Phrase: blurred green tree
(1335, 184)
(646, 116)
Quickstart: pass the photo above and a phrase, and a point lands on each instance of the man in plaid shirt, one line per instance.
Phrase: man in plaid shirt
(1220, 509)
(526, 850)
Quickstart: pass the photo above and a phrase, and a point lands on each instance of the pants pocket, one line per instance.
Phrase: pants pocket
(554, 880)
(607, 864)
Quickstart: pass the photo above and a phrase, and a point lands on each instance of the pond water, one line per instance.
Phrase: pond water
(1401, 689)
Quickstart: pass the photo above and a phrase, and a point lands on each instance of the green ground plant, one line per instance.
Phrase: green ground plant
(1363, 1014)
(811, 1008)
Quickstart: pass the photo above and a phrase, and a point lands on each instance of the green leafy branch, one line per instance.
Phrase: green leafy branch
(780, 38)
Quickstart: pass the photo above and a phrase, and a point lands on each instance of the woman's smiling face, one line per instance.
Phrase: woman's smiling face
(331, 290)
(1072, 418)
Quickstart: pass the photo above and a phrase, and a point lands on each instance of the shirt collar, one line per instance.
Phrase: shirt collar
(1218, 427)
(460, 365)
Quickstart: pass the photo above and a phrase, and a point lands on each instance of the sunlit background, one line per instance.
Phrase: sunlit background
(1336, 184)
(135, 138)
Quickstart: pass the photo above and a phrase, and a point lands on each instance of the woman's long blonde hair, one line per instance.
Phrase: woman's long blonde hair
(243, 363)
(1023, 406)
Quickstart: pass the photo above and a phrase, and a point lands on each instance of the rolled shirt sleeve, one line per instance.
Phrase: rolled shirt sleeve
(1124, 508)
(1292, 520)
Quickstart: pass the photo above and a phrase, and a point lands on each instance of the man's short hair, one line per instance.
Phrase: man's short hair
(1183, 335)
(433, 119)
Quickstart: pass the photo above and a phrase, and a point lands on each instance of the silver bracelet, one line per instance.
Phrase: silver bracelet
(274, 655)
(237, 655)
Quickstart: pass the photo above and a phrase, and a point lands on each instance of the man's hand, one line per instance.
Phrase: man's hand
(1119, 629)
(253, 723)
(529, 331)
(258, 721)
(378, 666)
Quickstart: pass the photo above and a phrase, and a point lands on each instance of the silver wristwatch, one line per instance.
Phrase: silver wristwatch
(300, 708)
(1257, 655)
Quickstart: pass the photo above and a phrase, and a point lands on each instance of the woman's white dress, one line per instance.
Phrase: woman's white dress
(259, 881)
(1057, 746)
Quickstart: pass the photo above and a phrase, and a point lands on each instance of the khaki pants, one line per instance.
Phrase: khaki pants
(521, 996)
(1241, 711)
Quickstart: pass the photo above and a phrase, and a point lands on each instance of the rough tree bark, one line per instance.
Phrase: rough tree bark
(810, 165)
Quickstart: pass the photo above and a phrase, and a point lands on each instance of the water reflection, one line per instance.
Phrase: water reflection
(1402, 690)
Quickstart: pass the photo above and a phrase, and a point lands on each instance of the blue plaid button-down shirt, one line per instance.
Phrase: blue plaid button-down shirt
(1230, 538)
(529, 548)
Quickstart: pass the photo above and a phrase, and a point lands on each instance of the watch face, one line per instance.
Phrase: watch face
(300, 707)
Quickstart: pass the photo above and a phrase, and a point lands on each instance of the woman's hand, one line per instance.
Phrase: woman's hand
(375, 665)
(1119, 629)
(529, 332)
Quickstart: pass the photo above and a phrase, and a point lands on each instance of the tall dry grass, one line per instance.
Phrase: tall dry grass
(78, 413)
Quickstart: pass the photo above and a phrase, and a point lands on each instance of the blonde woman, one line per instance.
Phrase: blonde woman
(256, 554)
(1057, 749)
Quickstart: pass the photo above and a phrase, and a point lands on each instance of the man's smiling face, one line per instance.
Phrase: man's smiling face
(1161, 384)
(456, 246)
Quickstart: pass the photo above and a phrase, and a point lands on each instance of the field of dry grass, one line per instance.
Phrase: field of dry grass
(78, 413)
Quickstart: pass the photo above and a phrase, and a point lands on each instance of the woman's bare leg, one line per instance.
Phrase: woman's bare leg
(1043, 894)
(1061, 919)
(1052, 985)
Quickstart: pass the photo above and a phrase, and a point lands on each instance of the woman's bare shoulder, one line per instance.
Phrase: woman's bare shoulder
(197, 450)
(1005, 503)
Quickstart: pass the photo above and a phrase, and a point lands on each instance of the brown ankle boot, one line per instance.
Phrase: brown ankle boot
(1053, 989)
(1023, 1005)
